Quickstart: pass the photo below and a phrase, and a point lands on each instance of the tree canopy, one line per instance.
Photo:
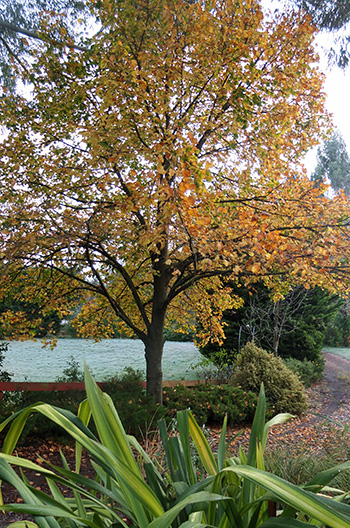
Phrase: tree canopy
(141, 172)
(20, 27)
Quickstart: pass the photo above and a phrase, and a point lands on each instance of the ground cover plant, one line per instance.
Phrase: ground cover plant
(132, 489)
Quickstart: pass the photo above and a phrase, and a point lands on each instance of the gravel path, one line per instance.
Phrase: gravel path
(337, 384)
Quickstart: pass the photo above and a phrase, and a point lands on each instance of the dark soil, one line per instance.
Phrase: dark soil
(330, 399)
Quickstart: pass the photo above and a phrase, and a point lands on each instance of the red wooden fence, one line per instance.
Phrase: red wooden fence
(72, 385)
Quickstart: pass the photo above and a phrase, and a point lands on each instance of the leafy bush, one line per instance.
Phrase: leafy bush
(132, 490)
(72, 372)
(211, 403)
(309, 372)
(216, 369)
(4, 374)
(284, 391)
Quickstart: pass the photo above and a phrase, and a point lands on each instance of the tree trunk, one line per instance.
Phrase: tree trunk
(154, 374)
(276, 329)
(154, 345)
(154, 342)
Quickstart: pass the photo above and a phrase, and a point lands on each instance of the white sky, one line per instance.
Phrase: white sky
(337, 89)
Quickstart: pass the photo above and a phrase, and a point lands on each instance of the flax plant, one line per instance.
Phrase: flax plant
(130, 489)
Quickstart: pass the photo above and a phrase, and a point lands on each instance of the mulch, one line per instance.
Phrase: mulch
(317, 431)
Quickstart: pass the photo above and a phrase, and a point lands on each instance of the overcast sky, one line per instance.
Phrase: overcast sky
(337, 89)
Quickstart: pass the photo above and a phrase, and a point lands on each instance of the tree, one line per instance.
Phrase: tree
(21, 26)
(21, 20)
(338, 330)
(294, 326)
(333, 162)
(141, 172)
(331, 16)
(311, 322)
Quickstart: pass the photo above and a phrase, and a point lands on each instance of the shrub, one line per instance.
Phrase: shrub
(211, 403)
(4, 374)
(137, 409)
(284, 391)
(214, 369)
(72, 372)
(309, 372)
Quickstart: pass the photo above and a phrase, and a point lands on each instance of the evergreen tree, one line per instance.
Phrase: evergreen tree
(333, 162)
(331, 16)
(310, 325)
(292, 327)
(20, 23)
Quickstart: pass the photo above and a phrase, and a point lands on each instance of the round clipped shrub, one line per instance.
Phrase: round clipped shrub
(283, 389)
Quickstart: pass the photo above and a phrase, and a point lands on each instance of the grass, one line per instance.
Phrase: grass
(341, 352)
(300, 462)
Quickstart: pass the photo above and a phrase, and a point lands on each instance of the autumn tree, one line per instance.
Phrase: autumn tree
(140, 173)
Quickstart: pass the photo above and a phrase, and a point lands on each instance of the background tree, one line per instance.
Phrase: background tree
(20, 27)
(295, 326)
(338, 331)
(332, 17)
(144, 170)
(333, 163)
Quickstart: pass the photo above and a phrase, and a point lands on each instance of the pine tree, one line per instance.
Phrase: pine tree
(333, 163)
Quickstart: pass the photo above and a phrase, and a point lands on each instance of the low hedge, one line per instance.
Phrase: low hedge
(210, 403)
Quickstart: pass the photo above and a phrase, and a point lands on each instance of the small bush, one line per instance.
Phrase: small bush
(4, 374)
(309, 372)
(283, 389)
(210, 403)
(72, 372)
(211, 371)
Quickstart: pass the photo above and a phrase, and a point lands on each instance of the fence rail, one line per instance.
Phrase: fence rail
(9, 386)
